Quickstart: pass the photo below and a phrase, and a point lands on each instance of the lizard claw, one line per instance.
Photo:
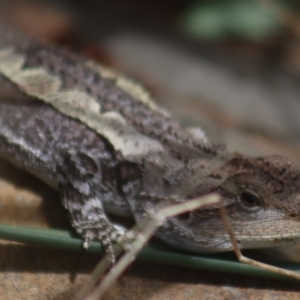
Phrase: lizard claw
(87, 240)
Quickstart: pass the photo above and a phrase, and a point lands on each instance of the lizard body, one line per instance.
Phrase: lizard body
(99, 139)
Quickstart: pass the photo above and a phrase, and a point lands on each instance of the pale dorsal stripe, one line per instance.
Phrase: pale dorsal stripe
(37, 82)
(129, 86)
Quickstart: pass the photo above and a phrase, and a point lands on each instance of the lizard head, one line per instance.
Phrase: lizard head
(262, 201)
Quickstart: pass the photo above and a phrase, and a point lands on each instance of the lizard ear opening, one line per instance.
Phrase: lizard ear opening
(184, 217)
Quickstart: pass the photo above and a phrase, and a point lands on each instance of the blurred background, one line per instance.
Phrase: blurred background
(231, 67)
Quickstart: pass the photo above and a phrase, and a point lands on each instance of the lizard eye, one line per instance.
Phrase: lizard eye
(249, 201)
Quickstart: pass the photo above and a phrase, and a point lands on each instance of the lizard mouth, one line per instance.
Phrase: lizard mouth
(260, 234)
(272, 233)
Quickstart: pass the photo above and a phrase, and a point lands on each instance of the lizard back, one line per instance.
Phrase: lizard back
(122, 110)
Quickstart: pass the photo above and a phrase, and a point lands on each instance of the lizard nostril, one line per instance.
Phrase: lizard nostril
(293, 215)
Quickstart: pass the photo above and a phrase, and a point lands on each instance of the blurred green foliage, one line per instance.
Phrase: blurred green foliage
(219, 19)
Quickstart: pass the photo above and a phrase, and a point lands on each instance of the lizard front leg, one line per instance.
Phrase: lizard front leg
(79, 181)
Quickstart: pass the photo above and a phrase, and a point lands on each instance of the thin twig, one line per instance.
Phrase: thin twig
(143, 230)
(249, 261)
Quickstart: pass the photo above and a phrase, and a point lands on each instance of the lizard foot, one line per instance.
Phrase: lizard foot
(108, 238)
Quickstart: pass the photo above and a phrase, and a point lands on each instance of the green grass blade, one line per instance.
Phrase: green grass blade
(154, 253)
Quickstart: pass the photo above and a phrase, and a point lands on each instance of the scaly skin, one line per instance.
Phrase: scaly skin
(100, 140)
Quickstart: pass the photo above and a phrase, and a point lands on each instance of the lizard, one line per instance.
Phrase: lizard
(100, 139)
